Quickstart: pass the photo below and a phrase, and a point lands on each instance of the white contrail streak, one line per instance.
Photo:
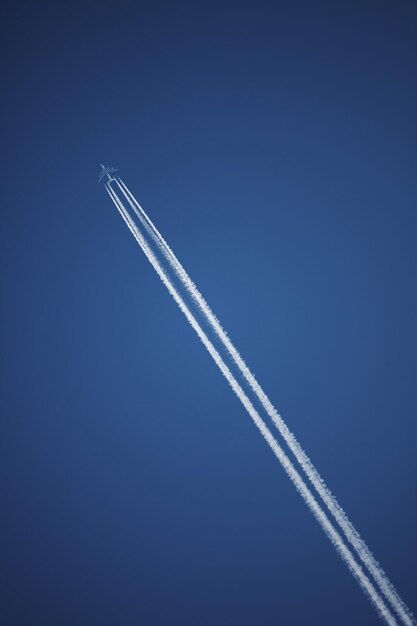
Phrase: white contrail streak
(328, 498)
(288, 466)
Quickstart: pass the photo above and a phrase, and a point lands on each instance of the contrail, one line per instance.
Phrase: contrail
(288, 466)
(311, 472)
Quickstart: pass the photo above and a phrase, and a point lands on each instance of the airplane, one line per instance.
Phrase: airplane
(106, 171)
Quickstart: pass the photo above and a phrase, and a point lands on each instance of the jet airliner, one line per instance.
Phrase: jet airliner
(106, 171)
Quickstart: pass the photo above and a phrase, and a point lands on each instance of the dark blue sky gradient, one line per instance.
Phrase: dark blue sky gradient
(274, 145)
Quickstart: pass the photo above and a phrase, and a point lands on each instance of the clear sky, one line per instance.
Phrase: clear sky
(274, 145)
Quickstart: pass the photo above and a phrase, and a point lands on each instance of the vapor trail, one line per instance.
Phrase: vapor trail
(288, 466)
(328, 498)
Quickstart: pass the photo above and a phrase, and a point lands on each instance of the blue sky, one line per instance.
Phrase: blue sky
(275, 148)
